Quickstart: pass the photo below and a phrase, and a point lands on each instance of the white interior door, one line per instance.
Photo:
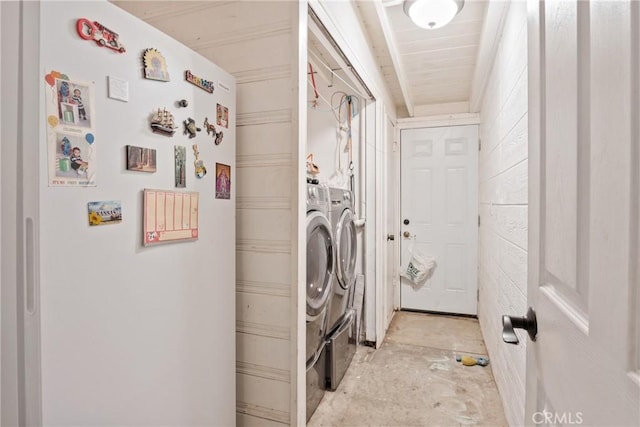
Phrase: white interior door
(439, 216)
(584, 224)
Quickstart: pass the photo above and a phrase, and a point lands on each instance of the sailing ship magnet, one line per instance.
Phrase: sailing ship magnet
(162, 122)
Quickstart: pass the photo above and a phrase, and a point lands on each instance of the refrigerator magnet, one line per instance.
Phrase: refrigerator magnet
(105, 213)
(190, 128)
(71, 139)
(104, 37)
(155, 66)
(162, 122)
(180, 159)
(211, 130)
(223, 181)
(203, 84)
(222, 115)
(141, 159)
(201, 170)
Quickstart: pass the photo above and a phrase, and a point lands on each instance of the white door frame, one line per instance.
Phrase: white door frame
(387, 208)
(462, 119)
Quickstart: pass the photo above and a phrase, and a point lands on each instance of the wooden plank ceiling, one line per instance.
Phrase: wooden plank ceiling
(436, 67)
(433, 69)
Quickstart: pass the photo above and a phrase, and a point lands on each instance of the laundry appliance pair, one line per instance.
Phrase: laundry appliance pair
(331, 261)
(342, 328)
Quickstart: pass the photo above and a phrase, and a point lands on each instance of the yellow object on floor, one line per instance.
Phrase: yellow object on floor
(472, 361)
(468, 361)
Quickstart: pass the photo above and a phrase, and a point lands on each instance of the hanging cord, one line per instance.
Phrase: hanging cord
(313, 103)
(349, 140)
(319, 61)
(350, 144)
(339, 107)
(313, 82)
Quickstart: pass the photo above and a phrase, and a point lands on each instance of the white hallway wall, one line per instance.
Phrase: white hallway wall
(503, 209)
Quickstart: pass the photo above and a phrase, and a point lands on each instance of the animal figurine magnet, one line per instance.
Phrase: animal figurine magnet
(211, 129)
(190, 128)
(218, 139)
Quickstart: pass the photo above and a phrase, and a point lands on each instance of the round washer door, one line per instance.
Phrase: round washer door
(319, 262)
(346, 251)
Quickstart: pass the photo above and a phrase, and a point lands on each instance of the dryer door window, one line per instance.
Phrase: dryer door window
(347, 249)
(319, 262)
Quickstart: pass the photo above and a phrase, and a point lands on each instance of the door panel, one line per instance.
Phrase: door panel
(440, 202)
(583, 246)
(391, 194)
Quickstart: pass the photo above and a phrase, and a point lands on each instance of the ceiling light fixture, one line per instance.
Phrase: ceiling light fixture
(432, 14)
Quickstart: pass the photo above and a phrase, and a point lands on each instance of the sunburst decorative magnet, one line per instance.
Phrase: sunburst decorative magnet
(155, 66)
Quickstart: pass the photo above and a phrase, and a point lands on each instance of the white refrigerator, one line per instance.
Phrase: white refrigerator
(117, 332)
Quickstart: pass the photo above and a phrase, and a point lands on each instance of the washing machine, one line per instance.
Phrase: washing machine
(319, 286)
(341, 337)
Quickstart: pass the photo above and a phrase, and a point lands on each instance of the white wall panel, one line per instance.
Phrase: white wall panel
(247, 420)
(507, 221)
(509, 187)
(250, 223)
(511, 151)
(252, 141)
(264, 351)
(266, 95)
(269, 267)
(263, 308)
(266, 398)
(503, 208)
(263, 182)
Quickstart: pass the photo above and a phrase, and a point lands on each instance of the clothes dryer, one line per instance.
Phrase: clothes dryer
(320, 277)
(346, 247)
(342, 336)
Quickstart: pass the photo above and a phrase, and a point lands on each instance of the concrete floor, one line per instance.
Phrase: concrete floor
(413, 379)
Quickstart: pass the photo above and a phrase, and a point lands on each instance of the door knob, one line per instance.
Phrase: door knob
(528, 323)
(406, 234)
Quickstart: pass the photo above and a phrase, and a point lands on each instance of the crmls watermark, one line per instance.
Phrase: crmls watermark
(555, 418)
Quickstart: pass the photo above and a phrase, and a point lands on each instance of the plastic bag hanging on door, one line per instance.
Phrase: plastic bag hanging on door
(419, 267)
